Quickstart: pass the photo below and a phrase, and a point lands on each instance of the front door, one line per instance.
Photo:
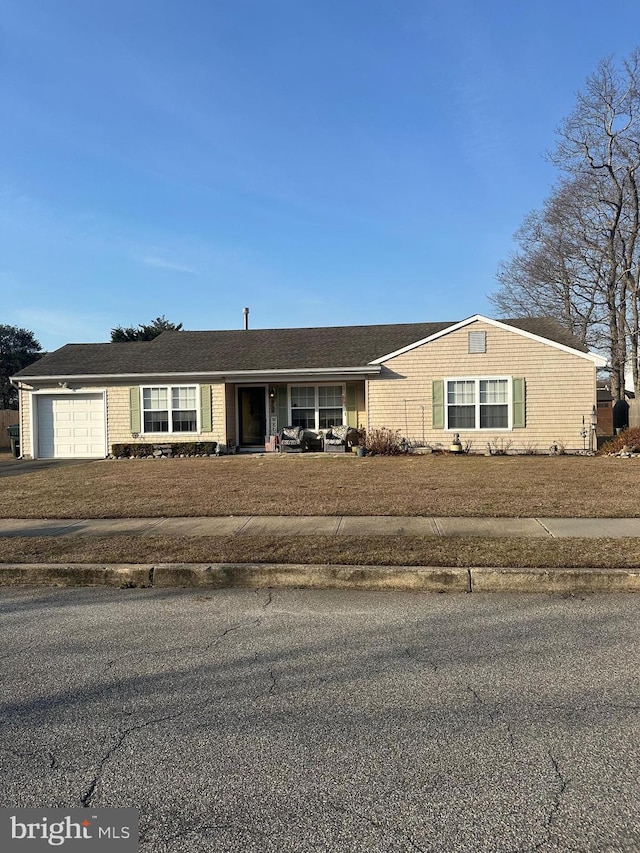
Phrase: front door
(252, 409)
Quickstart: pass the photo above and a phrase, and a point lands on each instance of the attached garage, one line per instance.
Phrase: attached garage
(70, 426)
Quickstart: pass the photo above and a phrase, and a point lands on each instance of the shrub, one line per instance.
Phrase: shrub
(385, 442)
(629, 438)
(203, 448)
(188, 448)
(499, 446)
(140, 449)
(529, 448)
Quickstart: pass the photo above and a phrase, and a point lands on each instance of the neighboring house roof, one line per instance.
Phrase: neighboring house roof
(603, 391)
(262, 350)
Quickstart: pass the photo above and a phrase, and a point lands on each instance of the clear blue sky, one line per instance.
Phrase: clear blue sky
(324, 163)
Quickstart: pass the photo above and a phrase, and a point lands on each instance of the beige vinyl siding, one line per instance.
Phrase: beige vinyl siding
(560, 388)
(118, 415)
(119, 420)
(219, 413)
(25, 423)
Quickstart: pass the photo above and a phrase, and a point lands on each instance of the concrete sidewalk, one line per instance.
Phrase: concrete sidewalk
(254, 525)
(321, 576)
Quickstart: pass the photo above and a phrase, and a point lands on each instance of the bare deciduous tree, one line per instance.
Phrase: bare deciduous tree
(556, 271)
(579, 258)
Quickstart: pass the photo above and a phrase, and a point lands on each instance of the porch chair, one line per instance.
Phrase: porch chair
(292, 440)
(339, 438)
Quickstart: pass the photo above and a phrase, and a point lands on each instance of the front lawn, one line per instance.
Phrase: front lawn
(527, 486)
(327, 485)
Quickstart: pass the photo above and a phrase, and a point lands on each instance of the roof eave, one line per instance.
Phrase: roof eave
(220, 375)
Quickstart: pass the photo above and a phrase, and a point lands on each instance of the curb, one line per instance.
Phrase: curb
(555, 580)
(252, 575)
(77, 574)
(282, 576)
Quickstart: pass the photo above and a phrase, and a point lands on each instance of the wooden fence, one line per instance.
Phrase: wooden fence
(8, 417)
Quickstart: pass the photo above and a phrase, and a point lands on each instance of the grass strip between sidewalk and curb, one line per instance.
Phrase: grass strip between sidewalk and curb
(434, 551)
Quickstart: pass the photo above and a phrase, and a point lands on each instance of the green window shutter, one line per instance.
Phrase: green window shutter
(134, 409)
(205, 409)
(282, 411)
(352, 407)
(519, 411)
(437, 404)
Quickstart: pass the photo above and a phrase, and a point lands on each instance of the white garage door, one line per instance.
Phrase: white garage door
(71, 425)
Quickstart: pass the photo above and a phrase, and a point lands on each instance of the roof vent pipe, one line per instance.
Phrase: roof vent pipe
(245, 311)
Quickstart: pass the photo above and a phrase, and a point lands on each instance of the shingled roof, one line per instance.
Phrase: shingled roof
(264, 350)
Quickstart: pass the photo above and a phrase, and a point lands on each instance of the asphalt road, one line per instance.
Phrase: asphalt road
(327, 721)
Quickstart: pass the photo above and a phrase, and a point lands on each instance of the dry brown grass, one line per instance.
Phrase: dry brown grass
(329, 485)
(344, 550)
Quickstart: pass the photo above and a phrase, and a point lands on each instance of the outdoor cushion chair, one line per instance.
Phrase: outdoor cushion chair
(338, 439)
(292, 440)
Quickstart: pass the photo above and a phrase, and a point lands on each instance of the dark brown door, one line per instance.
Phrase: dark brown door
(253, 416)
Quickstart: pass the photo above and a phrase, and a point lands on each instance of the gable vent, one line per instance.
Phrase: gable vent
(477, 342)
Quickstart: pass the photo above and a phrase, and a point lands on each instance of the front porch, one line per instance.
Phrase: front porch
(257, 412)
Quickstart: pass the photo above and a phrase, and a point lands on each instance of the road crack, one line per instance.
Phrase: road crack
(494, 716)
(192, 830)
(273, 685)
(398, 833)
(555, 806)
(19, 753)
(272, 689)
(416, 659)
(556, 802)
(187, 647)
(269, 597)
(217, 640)
(86, 798)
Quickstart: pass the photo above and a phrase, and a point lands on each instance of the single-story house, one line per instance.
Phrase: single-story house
(524, 383)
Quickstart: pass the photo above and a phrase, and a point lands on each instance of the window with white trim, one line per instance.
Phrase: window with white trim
(478, 403)
(316, 406)
(170, 408)
(303, 406)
